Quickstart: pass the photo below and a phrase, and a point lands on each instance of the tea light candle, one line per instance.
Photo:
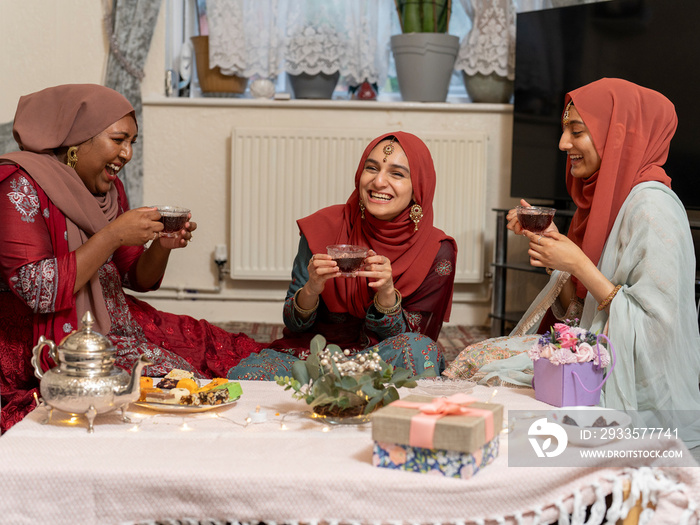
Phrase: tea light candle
(258, 416)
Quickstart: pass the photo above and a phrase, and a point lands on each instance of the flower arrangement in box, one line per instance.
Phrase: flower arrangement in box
(338, 385)
(569, 343)
(569, 364)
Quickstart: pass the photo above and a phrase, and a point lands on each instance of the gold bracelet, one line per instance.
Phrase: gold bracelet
(393, 310)
(606, 302)
(300, 309)
(549, 270)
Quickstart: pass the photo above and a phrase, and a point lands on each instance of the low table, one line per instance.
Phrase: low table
(215, 466)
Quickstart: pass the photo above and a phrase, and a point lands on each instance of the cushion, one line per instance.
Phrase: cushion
(473, 357)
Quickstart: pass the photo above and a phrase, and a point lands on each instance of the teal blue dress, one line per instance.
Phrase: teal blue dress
(407, 339)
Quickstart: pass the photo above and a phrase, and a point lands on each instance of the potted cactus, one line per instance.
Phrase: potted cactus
(424, 52)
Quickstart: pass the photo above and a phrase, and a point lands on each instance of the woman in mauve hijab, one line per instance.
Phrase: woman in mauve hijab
(399, 299)
(626, 268)
(70, 243)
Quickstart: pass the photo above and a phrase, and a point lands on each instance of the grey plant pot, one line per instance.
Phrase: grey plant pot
(424, 64)
(488, 88)
(314, 86)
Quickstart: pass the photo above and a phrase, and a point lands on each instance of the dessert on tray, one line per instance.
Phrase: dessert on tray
(179, 387)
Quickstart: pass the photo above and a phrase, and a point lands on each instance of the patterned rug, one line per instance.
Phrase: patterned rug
(452, 338)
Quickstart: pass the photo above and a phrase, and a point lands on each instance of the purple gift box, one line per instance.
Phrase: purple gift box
(575, 384)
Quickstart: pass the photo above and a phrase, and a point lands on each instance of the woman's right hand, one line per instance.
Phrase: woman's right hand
(136, 227)
(321, 268)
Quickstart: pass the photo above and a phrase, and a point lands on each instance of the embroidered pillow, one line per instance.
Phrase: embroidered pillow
(473, 357)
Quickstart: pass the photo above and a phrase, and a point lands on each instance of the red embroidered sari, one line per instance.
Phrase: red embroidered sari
(36, 298)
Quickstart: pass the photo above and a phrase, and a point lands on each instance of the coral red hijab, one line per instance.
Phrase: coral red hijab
(411, 252)
(632, 127)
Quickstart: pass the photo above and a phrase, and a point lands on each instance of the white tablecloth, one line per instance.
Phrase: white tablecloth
(212, 466)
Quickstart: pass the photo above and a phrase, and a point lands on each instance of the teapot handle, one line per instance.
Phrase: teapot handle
(36, 351)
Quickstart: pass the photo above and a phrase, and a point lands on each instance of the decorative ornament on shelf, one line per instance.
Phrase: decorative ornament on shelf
(569, 364)
(339, 385)
(262, 88)
(487, 54)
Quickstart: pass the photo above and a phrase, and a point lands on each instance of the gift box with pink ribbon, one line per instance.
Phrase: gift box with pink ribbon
(454, 436)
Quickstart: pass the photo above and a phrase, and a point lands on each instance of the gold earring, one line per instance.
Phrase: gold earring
(362, 209)
(416, 215)
(72, 156)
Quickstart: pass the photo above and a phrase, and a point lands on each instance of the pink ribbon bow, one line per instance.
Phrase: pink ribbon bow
(423, 424)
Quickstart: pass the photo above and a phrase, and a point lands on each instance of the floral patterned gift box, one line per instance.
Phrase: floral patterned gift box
(455, 436)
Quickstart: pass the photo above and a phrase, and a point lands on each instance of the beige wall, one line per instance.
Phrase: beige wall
(50, 42)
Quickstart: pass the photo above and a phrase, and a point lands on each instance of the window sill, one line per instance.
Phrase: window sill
(459, 104)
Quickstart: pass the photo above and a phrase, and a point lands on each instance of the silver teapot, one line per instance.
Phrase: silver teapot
(85, 379)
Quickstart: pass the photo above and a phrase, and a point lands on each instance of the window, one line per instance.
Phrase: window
(362, 27)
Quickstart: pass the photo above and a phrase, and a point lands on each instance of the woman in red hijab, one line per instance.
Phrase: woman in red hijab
(69, 242)
(627, 266)
(399, 300)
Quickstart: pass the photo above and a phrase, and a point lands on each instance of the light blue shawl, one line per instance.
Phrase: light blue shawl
(652, 321)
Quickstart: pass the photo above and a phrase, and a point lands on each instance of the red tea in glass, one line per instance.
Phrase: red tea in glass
(348, 257)
(535, 218)
(173, 218)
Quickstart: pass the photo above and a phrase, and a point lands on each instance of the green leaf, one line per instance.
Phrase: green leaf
(370, 391)
(390, 395)
(372, 403)
(317, 344)
(300, 373)
(348, 383)
(400, 374)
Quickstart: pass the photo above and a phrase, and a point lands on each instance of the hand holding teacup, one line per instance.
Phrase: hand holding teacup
(177, 226)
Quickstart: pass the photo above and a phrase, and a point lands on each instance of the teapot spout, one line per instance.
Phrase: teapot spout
(132, 391)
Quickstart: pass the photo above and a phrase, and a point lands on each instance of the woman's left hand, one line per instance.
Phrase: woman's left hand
(556, 251)
(181, 240)
(377, 268)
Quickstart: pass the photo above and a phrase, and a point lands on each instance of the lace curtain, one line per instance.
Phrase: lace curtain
(7, 141)
(266, 38)
(490, 45)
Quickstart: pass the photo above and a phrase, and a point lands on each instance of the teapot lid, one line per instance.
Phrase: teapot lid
(86, 341)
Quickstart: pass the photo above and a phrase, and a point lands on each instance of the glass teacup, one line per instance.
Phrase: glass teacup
(535, 218)
(348, 257)
(173, 218)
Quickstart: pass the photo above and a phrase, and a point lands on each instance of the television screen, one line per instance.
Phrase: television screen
(654, 43)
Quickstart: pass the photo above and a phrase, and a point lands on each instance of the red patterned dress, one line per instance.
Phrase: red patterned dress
(36, 298)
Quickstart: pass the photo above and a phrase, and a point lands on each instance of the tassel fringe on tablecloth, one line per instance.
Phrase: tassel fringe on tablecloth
(645, 486)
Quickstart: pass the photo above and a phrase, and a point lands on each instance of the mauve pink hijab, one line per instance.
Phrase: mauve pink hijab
(62, 116)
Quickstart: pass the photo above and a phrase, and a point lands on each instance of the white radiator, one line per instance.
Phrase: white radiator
(280, 175)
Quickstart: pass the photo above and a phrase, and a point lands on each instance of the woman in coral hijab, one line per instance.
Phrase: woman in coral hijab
(69, 242)
(627, 265)
(399, 300)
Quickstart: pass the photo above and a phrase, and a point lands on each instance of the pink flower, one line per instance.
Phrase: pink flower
(604, 357)
(548, 350)
(585, 353)
(562, 356)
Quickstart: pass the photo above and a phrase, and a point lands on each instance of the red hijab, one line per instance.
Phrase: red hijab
(411, 252)
(632, 127)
